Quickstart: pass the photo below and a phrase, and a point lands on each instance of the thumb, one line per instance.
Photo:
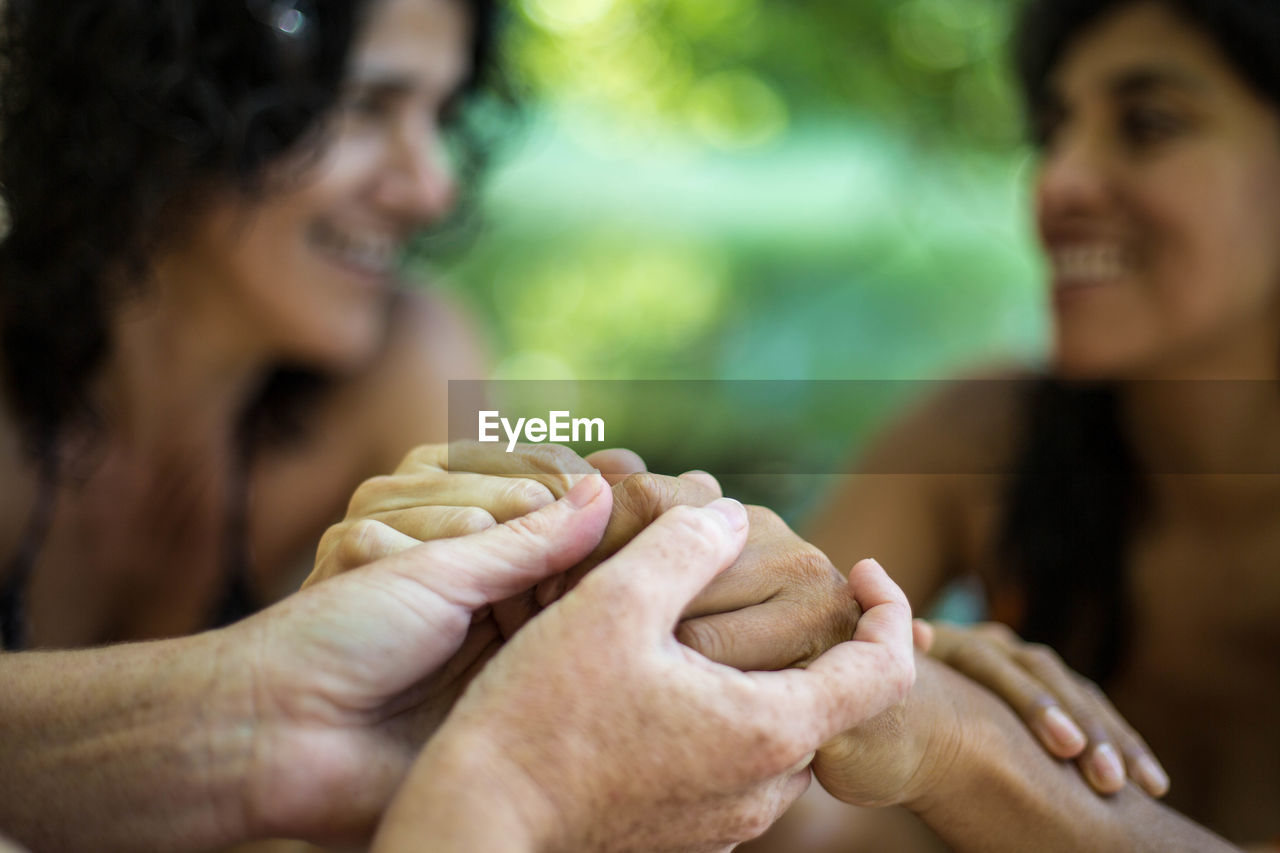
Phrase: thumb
(647, 585)
(490, 566)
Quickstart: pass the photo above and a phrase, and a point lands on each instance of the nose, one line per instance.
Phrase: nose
(417, 184)
(1073, 178)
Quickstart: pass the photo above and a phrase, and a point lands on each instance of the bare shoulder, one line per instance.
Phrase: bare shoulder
(925, 494)
(433, 335)
(403, 398)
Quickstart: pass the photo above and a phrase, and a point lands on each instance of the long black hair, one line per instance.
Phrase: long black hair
(115, 115)
(1076, 495)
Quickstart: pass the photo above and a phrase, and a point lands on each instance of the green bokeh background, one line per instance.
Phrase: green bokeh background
(755, 189)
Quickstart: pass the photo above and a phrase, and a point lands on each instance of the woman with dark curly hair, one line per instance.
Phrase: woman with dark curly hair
(205, 344)
(1122, 508)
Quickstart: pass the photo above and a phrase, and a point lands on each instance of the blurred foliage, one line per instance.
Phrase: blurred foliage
(737, 73)
(755, 189)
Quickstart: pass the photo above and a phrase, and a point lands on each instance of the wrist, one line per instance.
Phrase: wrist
(225, 731)
(465, 794)
(950, 754)
(995, 788)
(240, 731)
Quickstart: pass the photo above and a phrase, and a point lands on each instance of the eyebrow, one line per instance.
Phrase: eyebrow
(384, 81)
(392, 81)
(1132, 82)
(1140, 81)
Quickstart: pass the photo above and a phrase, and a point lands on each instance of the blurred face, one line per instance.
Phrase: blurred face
(1158, 205)
(308, 268)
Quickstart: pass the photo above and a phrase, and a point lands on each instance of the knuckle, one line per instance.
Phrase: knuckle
(330, 538)
(819, 626)
(1131, 746)
(974, 653)
(703, 638)
(811, 563)
(1038, 658)
(358, 543)
(997, 632)
(695, 529)
(465, 520)
(1090, 689)
(552, 459)
(524, 496)
(646, 494)
(764, 518)
(368, 493)
(419, 457)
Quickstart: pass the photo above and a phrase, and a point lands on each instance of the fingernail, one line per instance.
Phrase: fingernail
(734, 513)
(1062, 731)
(1107, 770)
(1152, 776)
(586, 490)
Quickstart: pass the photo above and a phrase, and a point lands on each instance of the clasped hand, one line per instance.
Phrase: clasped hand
(352, 676)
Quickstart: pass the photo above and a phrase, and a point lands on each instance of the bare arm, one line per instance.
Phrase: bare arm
(121, 748)
(961, 760)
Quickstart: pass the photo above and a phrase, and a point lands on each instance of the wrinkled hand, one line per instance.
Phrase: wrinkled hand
(780, 604)
(347, 679)
(599, 731)
(1069, 714)
(444, 490)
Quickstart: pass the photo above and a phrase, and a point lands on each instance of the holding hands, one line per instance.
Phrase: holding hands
(782, 603)
(595, 729)
(598, 675)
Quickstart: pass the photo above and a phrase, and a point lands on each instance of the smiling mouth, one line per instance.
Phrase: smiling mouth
(369, 253)
(1078, 265)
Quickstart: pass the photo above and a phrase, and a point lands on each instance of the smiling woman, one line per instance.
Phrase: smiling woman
(1120, 505)
(1158, 206)
(310, 266)
(208, 204)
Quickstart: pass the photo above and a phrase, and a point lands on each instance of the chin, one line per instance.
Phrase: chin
(341, 349)
(1095, 366)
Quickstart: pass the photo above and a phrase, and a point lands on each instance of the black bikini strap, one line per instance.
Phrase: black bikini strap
(14, 630)
(238, 598)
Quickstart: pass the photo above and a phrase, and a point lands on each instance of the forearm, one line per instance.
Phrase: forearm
(129, 747)
(1000, 791)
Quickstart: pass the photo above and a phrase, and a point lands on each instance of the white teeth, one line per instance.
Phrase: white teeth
(1089, 263)
(373, 253)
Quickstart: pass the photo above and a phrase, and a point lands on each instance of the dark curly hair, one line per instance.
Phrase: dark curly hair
(114, 116)
(1076, 495)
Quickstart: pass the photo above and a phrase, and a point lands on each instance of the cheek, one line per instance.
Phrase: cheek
(1215, 250)
(300, 306)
